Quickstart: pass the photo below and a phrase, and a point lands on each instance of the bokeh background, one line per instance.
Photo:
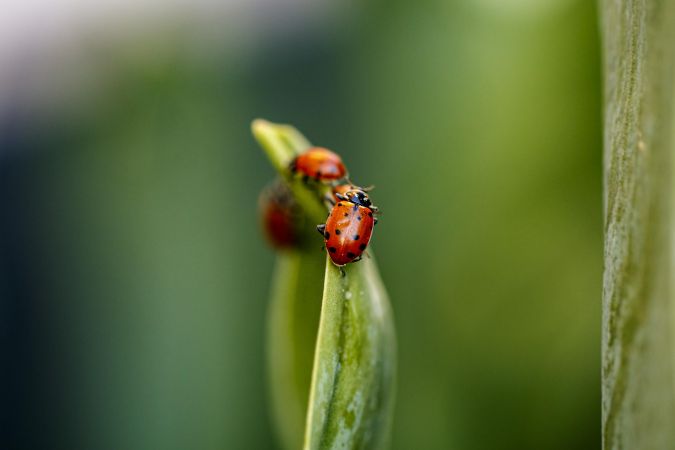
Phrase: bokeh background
(133, 278)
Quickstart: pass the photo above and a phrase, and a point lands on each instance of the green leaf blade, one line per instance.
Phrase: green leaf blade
(354, 369)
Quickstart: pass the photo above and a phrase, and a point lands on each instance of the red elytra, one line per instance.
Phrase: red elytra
(349, 227)
(279, 216)
(319, 164)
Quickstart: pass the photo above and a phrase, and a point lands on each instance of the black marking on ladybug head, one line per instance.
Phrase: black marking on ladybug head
(359, 197)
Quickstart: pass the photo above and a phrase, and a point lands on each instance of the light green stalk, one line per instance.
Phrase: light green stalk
(351, 395)
(638, 351)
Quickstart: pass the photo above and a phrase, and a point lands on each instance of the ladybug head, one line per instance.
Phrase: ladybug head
(359, 197)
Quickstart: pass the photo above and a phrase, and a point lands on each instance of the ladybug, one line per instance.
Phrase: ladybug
(280, 216)
(349, 226)
(320, 164)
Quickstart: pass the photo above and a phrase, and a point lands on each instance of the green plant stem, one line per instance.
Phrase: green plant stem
(293, 320)
(351, 395)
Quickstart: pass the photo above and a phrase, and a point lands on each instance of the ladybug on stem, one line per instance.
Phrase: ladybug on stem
(319, 164)
(280, 216)
(349, 226)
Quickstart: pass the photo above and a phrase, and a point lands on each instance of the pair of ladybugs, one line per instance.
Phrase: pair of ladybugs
(349, 225)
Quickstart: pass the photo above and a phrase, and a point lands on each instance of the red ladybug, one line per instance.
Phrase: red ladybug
(319, 164)
(280, 216)
(349, 226)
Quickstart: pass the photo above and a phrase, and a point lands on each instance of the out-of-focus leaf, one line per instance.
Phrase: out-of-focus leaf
(293, 320)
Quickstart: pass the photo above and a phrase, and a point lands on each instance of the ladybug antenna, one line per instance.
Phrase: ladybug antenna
(368, 188)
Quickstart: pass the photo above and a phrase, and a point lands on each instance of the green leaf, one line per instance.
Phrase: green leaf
(351, 396)
(638, 393)
(354, 370)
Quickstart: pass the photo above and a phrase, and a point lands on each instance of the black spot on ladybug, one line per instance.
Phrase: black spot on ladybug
(350, 255)
(332, 249)
(362, 247)
(327, 235)
(356, 207)
(347, 215)
(340, 204)
(338, 232)
(356, 237)
(358, 217)
(370, 214)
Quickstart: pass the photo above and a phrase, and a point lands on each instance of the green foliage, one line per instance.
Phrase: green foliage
(293, 321)
(353, 379)
(638, 407)
(352, 387)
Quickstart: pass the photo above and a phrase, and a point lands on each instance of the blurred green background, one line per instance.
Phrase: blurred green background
(133, 277)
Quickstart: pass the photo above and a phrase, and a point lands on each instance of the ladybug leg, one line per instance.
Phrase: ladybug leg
(358, 259)
(342, 271)
(321, 228)
(329, 200)
(375, 220)
(341, 197)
